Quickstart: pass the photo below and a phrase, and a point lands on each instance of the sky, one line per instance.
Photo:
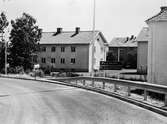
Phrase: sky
(114, 18)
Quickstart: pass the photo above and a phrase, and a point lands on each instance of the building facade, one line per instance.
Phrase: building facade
(72, 50)
(157, 52)
(122, 49)
(142, 50)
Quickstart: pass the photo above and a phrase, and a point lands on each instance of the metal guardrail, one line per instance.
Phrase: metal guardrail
(129, 84)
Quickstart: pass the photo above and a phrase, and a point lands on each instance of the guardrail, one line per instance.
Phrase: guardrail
(129, 84)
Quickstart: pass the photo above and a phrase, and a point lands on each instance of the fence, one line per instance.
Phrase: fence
(129, 84)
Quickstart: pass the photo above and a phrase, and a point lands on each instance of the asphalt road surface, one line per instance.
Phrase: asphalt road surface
(30, 102)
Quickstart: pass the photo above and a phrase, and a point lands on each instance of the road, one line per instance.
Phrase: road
(31, 102)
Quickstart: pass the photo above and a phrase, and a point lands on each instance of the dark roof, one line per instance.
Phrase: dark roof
(123, 42)
(69, 37)
(143, 35)
(161, 16)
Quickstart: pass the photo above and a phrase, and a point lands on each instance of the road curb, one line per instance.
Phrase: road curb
(112, 94)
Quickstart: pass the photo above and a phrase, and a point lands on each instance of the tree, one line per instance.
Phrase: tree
(24, 37)
(3, 24)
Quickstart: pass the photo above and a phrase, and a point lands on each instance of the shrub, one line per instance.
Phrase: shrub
(37, 73)
(19, 69)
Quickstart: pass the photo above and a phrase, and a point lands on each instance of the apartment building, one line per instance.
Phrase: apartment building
(79, 51)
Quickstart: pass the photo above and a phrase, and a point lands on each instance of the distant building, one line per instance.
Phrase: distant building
(157, 48)
(72, 50)
(142, 50)
(122, 48)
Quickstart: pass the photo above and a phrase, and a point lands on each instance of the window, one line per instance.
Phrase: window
(43, 60)
(73, 49)
(72, 60)
(53, 60)
(62, 61)
(62, 49)
(43, 49)
(35, 59)
(53, 49)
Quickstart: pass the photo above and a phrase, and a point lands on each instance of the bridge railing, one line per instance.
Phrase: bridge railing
(129, 84)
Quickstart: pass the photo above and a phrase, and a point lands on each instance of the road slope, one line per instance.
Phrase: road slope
(31, 102)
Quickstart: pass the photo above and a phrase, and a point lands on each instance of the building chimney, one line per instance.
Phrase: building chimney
(59, 30)
(132, 37)
(77, 30)
(127, 38)
(163, 8)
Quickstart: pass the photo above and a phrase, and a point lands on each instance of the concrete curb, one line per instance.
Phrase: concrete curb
(97, 90)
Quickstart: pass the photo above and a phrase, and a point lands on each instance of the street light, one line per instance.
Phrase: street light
(6, 65)
(93, 38)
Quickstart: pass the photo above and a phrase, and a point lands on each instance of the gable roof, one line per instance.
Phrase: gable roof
(123, 42)
(143, 35)
(161, 16)
(69, 37)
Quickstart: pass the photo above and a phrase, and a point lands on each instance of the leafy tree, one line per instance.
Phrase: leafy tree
(24, 37)
(3, 24)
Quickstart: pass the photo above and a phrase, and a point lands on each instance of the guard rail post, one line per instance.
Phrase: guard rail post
(103, 85)
(93, 82)
(115, 87)
(129, 90)
(83, 82)
(145, 94)
(165, 99)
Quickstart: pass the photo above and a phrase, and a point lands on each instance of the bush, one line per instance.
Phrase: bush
(37, 73)
(13, 70)
(47, 70)
(19, 69)
(70, 74)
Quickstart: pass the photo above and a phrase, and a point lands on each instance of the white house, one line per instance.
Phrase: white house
(157, 48)
(72, 50)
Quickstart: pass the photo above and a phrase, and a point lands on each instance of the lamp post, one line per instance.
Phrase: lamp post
(6, 55)
(5, 42)
(93, 38)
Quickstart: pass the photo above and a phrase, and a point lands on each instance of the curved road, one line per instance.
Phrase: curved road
(30, 102)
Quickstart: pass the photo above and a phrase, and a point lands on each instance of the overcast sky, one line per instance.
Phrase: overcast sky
(115, 18)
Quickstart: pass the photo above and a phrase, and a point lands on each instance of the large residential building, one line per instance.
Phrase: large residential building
(121, 48)
(157, 48)
(77, 50)
(142, 50)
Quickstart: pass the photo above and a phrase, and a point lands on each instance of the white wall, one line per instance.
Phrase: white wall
(100, 51)
(157, 51)
(142, 54)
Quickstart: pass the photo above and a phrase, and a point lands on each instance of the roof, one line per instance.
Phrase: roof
(69, 37)
(123, 42)
(143, 35)
(161, 16)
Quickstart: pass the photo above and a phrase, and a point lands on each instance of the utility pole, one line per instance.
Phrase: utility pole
(93, 38)
(6, 57)
(5, 49)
